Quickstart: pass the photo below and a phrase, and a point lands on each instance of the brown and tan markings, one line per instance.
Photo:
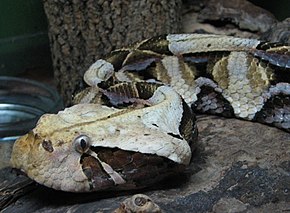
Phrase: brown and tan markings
(134, 124)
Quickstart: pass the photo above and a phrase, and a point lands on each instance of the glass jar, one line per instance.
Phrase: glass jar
(22, 102)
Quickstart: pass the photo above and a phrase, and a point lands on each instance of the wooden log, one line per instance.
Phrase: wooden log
(82, 31)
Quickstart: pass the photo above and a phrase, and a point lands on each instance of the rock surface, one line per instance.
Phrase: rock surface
(239, 166)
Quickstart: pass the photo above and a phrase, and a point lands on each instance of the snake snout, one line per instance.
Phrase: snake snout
(21, 150)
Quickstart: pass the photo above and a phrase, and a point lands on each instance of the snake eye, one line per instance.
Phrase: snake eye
(82, 143)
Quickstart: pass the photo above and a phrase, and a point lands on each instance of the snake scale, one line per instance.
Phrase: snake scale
(134, 125)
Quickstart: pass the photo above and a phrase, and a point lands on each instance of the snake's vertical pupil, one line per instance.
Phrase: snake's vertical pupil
(83, 144)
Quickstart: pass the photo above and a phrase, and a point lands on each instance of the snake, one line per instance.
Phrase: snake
(134, 124)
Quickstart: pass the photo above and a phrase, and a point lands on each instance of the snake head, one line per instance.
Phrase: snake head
(93, 147)
(53, 163)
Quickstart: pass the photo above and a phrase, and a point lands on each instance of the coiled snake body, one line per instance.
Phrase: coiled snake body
(134, 125)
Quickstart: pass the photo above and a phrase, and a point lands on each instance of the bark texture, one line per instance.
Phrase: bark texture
(82, 31)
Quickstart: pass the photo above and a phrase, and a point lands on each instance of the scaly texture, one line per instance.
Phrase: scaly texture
(133, 127)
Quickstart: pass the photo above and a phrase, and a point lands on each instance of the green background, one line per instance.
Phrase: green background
(24, 41)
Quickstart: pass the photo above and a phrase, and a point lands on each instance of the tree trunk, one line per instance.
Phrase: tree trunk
(81, 31)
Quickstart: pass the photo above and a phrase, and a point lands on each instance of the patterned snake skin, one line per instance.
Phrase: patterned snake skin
(133, 126)
(228, 76)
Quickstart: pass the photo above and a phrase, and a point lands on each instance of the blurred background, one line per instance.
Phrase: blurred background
(24, 44)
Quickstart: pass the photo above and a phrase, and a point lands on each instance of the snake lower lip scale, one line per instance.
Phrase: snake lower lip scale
(127, 130)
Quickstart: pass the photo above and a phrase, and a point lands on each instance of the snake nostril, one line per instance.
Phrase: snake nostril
(47, 145)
